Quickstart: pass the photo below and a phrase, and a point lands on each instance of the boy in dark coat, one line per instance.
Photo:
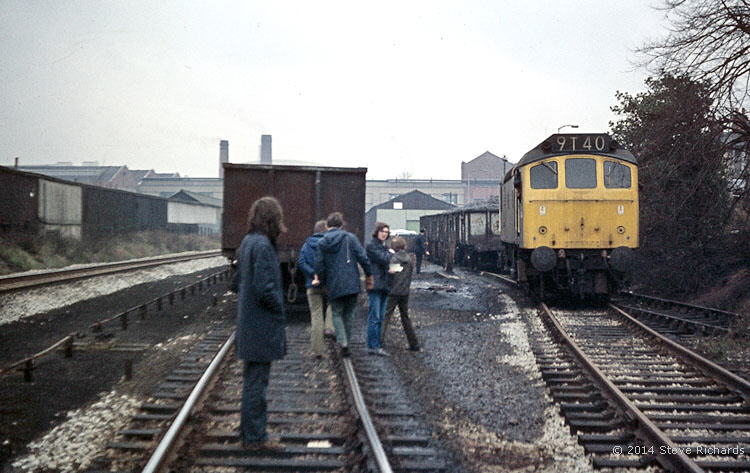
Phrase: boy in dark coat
(399, 295)
(315, 298)
(336, 266)
(261, 320)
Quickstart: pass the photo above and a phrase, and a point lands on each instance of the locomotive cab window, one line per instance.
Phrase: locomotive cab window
(580, 173)
(544, 176)
(616, 175)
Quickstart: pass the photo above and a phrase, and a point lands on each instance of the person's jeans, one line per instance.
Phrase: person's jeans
(419, 262)
(377, 300)
(317, 325)
(343, 313)
(253, 411)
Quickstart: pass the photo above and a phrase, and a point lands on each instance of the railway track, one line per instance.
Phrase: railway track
(677, 318)
(638, 399)
(330, 415)
(29, 280)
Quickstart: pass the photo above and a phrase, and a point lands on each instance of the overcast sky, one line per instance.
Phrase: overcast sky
(400, 87)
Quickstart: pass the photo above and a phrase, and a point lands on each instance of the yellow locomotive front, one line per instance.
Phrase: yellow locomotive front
(569, 213)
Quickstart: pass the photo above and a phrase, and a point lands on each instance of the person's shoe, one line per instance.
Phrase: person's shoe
(416, 348)
(345, 352)
(381, 352)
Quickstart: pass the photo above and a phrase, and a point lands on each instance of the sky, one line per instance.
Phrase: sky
(407, 88)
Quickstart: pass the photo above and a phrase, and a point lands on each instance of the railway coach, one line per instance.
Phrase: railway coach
(569, 215)
(469, 236)
(307, 194)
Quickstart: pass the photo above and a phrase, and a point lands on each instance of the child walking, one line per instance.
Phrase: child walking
(399, 294)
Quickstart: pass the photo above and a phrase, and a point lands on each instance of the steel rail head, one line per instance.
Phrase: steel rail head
(675, 460)
(499, 276)
(14, 282)
(709, 367)
(680, 303)
(381, 459)
(168, 442)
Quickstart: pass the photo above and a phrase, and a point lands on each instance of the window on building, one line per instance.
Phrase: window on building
(580, 173)
(544, 176)
(450, 197)
(616, 175)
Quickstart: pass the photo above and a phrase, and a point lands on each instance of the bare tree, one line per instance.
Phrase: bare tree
(709, 40)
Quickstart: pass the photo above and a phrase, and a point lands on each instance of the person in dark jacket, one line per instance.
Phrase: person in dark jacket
(380, 258)
(260, 336)
(315, 297)
(420, 248)
(336, 266)
(399, 294)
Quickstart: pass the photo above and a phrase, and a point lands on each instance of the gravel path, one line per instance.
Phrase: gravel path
(74, 444)
(479, 380)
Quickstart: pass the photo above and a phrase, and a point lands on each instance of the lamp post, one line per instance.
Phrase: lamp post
(561, 127)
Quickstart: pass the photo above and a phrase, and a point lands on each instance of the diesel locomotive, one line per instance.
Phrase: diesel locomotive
(569, 216)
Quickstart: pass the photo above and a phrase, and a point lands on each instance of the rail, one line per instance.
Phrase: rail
(499, 276)
(24, 281)
(680, 304)
(167, 444)
(381, 459)
(675, 460)
(709, 368)
(27, 363)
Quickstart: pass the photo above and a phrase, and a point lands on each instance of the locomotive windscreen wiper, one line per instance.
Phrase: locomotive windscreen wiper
(551, 168)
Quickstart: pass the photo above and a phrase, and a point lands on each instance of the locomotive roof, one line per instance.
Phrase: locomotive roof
(561, 144)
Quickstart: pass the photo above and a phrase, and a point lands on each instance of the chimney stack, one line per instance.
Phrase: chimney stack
(265, 149)
(223, 156)
(16, 161)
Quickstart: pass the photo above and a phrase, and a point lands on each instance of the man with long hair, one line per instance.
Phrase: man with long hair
(261, 320)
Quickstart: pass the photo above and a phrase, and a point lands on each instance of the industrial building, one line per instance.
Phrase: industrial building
(403, 211)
